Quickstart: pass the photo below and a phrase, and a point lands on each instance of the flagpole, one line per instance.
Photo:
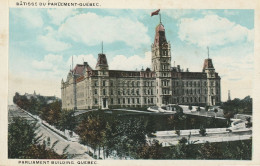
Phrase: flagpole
(160, 18)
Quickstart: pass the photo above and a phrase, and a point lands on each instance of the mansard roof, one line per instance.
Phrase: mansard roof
(78, 70)
(102, 60)
(191, 75)
(208, 64)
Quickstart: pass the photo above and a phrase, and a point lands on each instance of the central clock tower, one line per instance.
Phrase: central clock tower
(161, 65)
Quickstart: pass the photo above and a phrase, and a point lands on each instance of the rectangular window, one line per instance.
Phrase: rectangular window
(138, 100)
(151, 100)
(112, 101)
(123, 100)
(128, 100)
(118, 101)
(104, 83)
(111, 92)
(133, 100)
(95, 91)
(96, 83)
(96, 101)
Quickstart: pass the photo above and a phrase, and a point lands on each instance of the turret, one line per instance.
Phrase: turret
(102, 61)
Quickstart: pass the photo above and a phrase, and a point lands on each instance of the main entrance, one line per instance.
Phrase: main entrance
(104, 103)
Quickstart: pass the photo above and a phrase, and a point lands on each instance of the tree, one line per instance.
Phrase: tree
(55, 112)
(202, 131)
(23, 142)
(178, 132)
(210, 151)
(152, 150)
(91, 131)
(42, 152)
(198, 109)
(190, 107)
(183, 140)
(21, 135)
(150, 126)
(67, 120)
(193, 122)
(249, 122)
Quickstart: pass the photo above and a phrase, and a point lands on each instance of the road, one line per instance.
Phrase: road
(75, 149)
(171, 139)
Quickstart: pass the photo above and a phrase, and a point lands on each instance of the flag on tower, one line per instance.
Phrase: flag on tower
(155, 12)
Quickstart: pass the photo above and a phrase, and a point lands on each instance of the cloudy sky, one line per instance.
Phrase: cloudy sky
(42, 42)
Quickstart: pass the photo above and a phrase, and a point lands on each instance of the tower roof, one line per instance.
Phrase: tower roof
(160, 37)
(102, 60)
(208, 64)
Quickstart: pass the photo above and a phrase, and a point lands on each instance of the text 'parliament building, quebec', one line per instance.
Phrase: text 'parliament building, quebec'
(101, 88)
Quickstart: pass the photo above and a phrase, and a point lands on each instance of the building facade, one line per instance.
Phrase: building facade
(88, 88)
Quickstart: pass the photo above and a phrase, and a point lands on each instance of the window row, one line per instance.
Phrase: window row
(126, 92)
(194, 83)
(128, 101)
(127, 83)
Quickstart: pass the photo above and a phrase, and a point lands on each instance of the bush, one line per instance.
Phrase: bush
(190, 107)
(202, 131)
(178, 132)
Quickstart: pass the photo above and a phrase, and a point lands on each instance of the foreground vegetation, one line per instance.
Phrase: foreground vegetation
(237, 106)
(124, 134)
(49, 111)
(23, 142)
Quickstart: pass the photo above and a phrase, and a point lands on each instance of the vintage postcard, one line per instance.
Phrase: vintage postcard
(130, 83)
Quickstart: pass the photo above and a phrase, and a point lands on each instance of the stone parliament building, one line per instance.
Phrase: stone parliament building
(88, 88)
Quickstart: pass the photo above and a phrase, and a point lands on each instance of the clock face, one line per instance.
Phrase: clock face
(164, 45)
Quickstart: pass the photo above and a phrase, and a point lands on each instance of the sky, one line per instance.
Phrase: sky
(43, 41)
